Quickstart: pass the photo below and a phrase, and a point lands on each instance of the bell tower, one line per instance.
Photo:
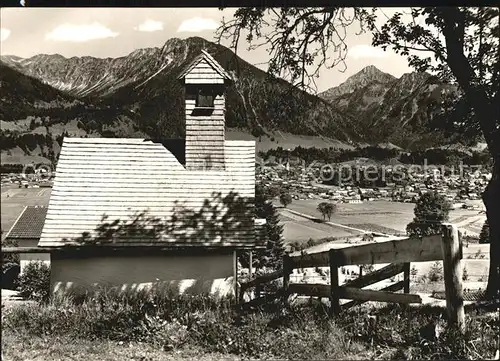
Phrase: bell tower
(205, 83)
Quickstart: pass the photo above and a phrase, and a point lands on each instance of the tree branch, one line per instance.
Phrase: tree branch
(454, 23)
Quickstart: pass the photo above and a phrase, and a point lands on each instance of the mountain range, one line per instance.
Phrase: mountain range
(47, 96)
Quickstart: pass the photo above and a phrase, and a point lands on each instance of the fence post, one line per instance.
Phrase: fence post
(286, 276)
(452, 269)
(334, 283)
(406, 277)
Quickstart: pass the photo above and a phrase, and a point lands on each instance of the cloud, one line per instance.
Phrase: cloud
(4, 34)
(150, 25)
(80, 33)
(365, 51)
(197, 24)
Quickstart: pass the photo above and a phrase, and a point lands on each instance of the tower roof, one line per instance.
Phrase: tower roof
(211, 61)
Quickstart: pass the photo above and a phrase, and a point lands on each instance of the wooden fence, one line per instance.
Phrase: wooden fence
(399, 254)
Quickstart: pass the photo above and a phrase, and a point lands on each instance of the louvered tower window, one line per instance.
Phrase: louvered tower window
(204, 100)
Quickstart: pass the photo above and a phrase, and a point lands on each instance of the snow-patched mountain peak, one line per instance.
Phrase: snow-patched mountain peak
(90, 76)
(359, 80)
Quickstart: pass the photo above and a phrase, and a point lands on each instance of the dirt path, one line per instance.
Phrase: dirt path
(290, 213)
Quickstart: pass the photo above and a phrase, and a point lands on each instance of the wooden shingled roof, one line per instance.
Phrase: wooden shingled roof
(205, 56)
(103, 185)
(29, 225)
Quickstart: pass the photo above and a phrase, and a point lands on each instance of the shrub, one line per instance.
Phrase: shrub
(285, 199)
(430, 211)
(34, 282)
(408, 340)
(436, 272)
(8, 258)
(297, 246)
(327, 209)
(414, 272)
(272, 256)
(484, 236)
(367, 268)
(10, 274)
(310, 243)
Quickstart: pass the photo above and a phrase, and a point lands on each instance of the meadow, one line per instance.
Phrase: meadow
(376, 216)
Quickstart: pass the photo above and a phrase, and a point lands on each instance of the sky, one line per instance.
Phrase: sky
(115, 32)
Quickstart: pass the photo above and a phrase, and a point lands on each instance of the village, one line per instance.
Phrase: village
(23, 181)
(303, 183)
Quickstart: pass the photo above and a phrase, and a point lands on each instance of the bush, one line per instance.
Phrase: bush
(34, 282)
(285, 199)
(414, 272)
(272, 256)
(367, 268)
(10, 274)
(484, 236)
(431, 210)
(8, 258)
(327, 209)
(436, 272)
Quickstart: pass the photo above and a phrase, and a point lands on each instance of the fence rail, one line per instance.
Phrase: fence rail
(398, 286)
(398, 251)
(381, 274)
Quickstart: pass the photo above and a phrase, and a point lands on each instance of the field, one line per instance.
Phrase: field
(14, 200)
(381, 216)
(296, 228)
(286, 140)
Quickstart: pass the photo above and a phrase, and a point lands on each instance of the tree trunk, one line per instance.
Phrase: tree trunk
(487, 113)
(491, 198)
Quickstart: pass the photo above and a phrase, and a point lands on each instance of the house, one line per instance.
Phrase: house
(135, 213)
(26, 232)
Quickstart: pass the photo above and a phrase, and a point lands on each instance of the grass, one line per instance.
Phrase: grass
(391, 215)
(286, 140)
(21, 346)
(297, 228)
(158, 326)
